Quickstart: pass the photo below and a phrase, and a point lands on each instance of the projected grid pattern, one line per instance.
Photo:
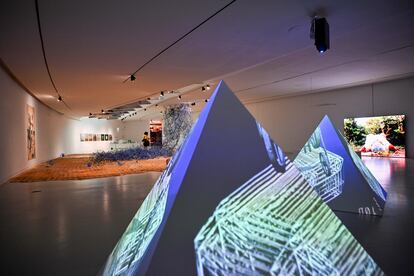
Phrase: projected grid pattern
(276, 223)
(327, 181)
(323, 169)
(143, 226)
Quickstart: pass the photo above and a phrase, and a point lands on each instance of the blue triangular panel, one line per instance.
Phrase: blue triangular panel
(338, 174)
(229, 160)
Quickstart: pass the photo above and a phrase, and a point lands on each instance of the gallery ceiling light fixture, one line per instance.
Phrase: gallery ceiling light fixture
(132, 77)
(162, 94)
(179, 97)
(206, 100)
(320, 33)
(59, 99)
(181, 38)
(205, 87)
(42, 44)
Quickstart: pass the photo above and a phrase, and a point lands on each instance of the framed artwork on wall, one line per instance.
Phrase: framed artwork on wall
(31, 132)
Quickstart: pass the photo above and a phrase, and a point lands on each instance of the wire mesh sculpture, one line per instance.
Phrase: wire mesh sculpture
(177, 125)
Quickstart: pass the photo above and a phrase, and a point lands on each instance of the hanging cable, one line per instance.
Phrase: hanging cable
(44, 54)
(132, 76)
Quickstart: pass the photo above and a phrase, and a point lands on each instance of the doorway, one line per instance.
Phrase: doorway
(156, 133)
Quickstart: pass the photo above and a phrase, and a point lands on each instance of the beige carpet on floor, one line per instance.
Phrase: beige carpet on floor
(76, 168)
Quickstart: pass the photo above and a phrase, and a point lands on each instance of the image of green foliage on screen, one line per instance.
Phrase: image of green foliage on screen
(381, 136)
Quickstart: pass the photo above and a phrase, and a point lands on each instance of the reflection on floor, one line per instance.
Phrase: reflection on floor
(70, 227)
(66, 227)
(389, 239)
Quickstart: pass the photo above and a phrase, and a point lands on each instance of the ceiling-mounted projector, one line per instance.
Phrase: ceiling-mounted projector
(320, 32)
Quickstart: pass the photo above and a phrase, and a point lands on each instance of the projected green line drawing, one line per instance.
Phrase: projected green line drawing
(143, 226)
(276, 224)
(338, 174)
(322, 168)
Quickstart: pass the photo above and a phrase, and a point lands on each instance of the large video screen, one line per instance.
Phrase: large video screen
(382, 136)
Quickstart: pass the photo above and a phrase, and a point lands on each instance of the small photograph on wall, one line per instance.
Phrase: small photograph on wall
(82, 137)
(94, 137)
(381, 136)
(90, 137)
(110, 137)
(102, 137)
(106, 137)
(31, 133)
(98, 137)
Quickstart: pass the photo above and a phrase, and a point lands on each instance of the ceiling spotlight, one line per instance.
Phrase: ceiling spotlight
(162, 94)
(320, 32)
(59, 99)
(156, 104)
(148, 99)
(103, 111)
(90, 114)
(208, 86)
(132, 77)
(161, 112)
(179, 97)
(145, 109)
(203, 88)
(206, 100)
(193, 103)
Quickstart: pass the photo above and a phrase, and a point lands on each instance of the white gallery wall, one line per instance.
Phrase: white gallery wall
(134, 130)
(94, 126)
(55, 133)
(291, 120)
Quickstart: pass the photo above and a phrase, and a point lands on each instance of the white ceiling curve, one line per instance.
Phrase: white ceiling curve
(261, 48)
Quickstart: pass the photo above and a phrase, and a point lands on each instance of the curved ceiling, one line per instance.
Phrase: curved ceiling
(260, 48)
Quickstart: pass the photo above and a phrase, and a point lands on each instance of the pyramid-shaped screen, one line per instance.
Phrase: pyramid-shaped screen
(230, 194)
(338, 174)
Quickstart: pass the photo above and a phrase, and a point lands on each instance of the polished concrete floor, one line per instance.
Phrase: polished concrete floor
(70, 227)
(66, 227)
(389, 239)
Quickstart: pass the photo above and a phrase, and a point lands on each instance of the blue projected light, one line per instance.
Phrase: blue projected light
(276, 224)
(135, 241)
(217, 210)
(337, 174)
